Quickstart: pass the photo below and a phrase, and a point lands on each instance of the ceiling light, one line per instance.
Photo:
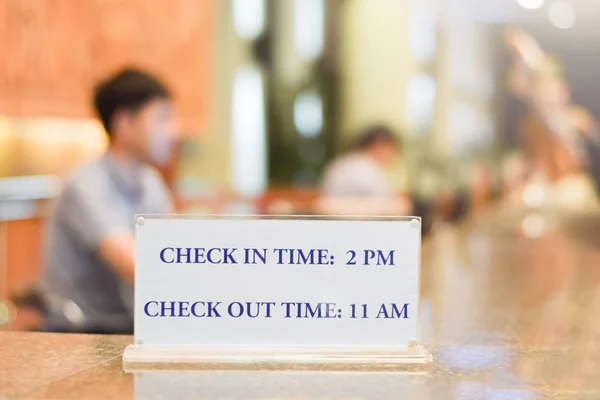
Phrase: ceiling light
(530, 4)
(561, 15)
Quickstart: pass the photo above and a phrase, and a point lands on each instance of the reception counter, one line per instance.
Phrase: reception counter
(510, 310)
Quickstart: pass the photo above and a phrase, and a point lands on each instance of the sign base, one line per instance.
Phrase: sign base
(139, 358)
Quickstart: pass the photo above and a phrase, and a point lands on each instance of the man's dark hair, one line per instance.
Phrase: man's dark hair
(130, 90)
(377, 134)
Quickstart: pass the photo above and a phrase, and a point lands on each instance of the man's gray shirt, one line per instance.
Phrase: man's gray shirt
(100, 199)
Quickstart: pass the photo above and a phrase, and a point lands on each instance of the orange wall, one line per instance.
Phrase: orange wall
(23, 257)
(52, 52)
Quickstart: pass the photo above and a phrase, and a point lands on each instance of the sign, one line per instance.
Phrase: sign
(267, 285)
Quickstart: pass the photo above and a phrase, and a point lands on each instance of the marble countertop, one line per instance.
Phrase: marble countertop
(507, 315)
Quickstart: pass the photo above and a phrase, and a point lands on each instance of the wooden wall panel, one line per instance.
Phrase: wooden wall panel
(53, 51)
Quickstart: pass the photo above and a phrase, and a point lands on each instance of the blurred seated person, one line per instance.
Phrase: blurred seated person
(89, 253)
(357, 183)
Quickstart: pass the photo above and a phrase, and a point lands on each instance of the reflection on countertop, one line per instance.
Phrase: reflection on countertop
(507, 315)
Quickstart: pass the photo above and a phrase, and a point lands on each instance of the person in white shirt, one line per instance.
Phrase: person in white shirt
(357, 182)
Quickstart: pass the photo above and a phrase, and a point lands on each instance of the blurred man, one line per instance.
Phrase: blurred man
(357, 182)
(89, 255)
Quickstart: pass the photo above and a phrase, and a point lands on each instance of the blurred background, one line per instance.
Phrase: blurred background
(484, 94)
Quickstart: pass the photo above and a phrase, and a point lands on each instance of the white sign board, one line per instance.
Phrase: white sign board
(259, 282)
